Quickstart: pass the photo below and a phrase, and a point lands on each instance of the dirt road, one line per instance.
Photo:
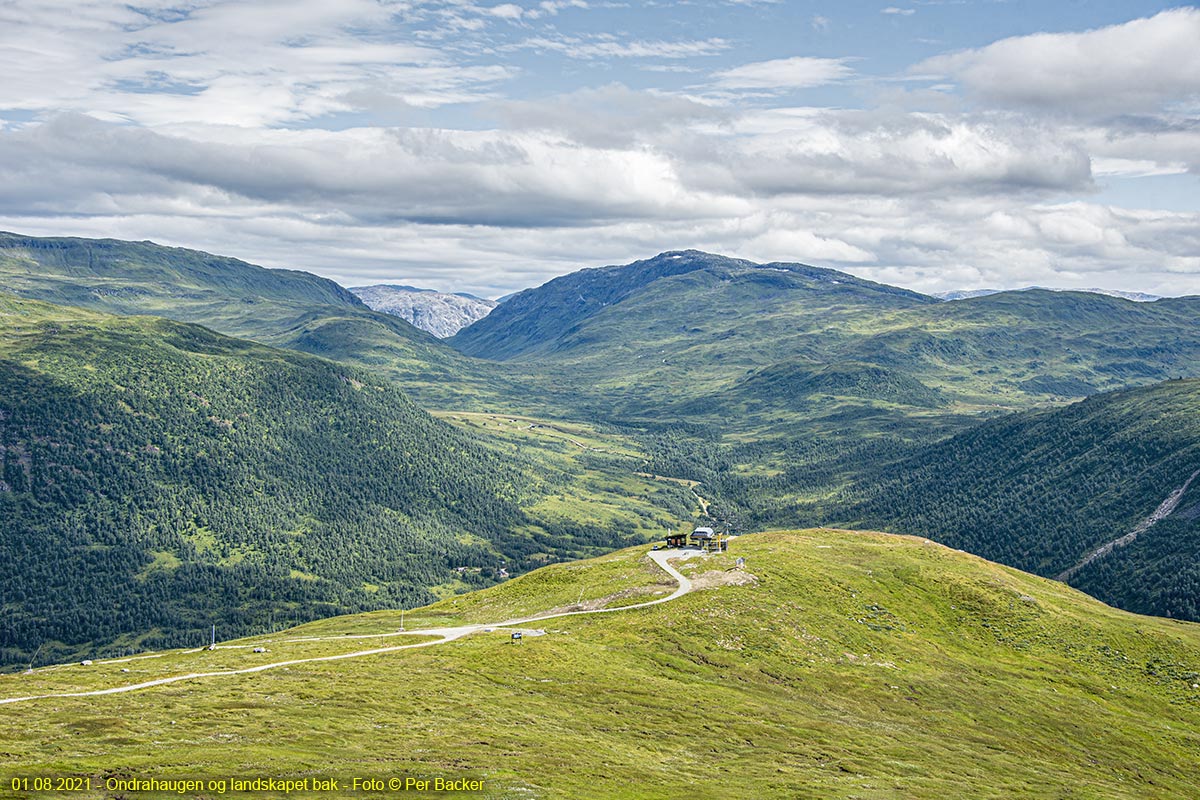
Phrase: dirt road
(445, 635)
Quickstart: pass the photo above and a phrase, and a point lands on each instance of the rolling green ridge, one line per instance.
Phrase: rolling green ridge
(702, 337)
(156, 477)
(283, 308)
(838, 665)
(552, 317)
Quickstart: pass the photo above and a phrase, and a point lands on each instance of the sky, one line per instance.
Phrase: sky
(487, 147)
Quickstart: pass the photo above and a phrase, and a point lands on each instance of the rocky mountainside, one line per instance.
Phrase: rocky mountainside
(436, 312)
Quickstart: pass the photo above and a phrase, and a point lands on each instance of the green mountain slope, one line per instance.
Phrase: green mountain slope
(157, 477)
(284, 308)
(1041, 489)
(145, 278)
(837, 665)
(691, 335)
(558, 316)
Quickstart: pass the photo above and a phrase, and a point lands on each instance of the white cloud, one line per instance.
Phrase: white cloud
(200, 125)
(821, 152)
(506, 11)
(1136, 66)
(514, 12)
(605, 46)
(608, 116)
(799, 72)
(371, 175)
(1168, 143)
(1134, 167)
(260, 64)
(918, 198)
(804, 246)
(904, 12)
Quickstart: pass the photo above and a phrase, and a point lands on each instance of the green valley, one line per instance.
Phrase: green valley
(773, 395)
(157, 478)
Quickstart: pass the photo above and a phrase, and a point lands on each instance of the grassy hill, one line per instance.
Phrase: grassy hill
(838, 665)
(157, 477)
(283, 308)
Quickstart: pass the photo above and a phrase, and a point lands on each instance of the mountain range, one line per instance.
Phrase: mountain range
(284, 308)
(616, 399)
(696, 331)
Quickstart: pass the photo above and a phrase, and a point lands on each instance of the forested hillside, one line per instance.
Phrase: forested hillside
(1039, 490)
(156, 478)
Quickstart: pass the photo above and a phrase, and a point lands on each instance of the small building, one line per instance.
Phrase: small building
(709, 540)
(677, 540)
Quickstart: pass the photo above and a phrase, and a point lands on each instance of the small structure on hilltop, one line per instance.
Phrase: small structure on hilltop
(709, 540)
(705, 538)
(677, 540)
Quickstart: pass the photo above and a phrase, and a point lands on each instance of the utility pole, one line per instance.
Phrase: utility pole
(35, 655)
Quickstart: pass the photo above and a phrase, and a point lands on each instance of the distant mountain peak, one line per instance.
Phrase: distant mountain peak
(440, 313)
(966, 294)
(552, 316)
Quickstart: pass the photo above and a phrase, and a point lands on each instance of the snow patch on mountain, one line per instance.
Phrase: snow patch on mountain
(439, 313)
(1137, 297)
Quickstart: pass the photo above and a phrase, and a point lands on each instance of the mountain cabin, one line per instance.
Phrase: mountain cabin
(705, 538)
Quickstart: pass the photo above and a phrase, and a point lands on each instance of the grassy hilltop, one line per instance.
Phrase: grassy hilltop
(838, 665)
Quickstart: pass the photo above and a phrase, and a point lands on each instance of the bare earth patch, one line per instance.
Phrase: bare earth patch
(639, 593)
(718, 578)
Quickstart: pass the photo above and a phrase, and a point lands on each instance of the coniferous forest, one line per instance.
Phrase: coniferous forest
(157, 478)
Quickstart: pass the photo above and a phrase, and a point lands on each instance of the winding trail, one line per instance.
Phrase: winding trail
(446, 635)
(1164, 510)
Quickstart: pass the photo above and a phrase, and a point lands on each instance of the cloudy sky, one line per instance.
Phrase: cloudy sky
(486, 146)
